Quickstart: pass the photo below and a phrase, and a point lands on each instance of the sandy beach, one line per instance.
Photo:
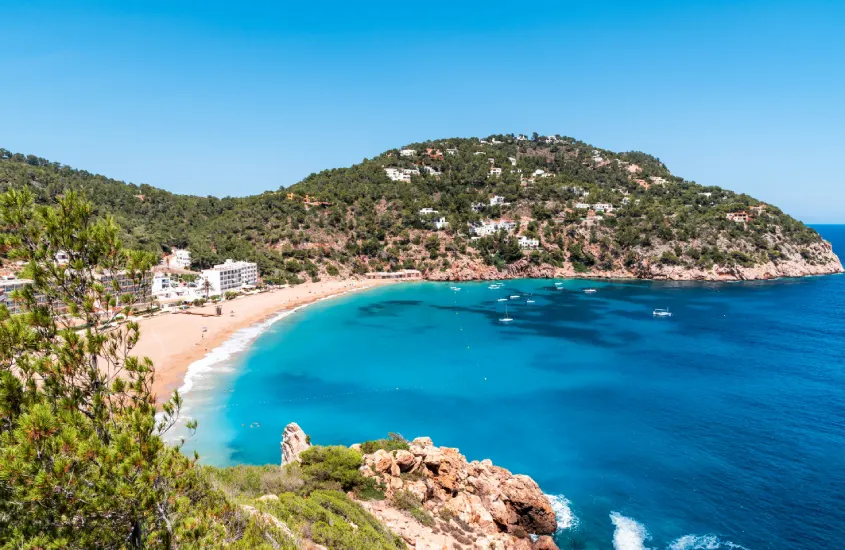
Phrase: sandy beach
(174, 341)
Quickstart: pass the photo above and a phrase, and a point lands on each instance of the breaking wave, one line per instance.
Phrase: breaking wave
(629, 533)
(703, 542)
(563, 512)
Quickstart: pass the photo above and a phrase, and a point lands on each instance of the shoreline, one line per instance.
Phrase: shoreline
(182, 345)
(171, 341)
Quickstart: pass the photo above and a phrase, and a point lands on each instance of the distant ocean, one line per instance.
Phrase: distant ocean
(722, 427)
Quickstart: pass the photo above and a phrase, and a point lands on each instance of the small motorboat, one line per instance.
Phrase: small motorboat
(502, 300)
(529, 301)
(515, 296)
(662, 313)
(589, 291)
(455, 288)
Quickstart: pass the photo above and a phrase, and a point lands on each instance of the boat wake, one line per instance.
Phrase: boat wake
(629, 533)
(703, 542)
(563, 512)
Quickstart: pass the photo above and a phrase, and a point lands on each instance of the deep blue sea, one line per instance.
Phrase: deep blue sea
(720, 427)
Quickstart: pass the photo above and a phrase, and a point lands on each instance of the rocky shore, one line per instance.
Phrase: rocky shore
(455, 504)
(826, 262)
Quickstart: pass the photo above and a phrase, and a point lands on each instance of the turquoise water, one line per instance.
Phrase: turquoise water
(721, 427)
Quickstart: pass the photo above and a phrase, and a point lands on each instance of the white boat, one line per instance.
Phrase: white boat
(529, 301)
(515, 296)
(558, 284)
(455, 288)
(506, 319)
(589, 290)
(662, 313)
(502, 300)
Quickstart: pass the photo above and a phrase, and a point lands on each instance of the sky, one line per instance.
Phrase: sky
(236, 98)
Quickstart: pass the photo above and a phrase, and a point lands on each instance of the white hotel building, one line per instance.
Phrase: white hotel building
(230, 275)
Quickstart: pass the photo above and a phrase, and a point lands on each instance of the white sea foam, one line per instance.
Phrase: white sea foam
(563, 512)
(629, 533)
(703, 542)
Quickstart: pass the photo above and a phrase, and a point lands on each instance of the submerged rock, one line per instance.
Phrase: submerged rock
(294, 441)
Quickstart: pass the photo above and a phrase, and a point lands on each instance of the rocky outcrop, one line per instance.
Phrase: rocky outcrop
(824, 262)
(294, 441)
(469, 504)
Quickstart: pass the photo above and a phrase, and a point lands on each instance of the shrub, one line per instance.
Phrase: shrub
(394, 442)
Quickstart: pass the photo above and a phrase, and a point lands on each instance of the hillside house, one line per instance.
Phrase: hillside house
(656, 180)
(427, 211)
(451, 151)
(495, 172)
(758, 210)
(603, 207)
(512, 160)
(526, 243)
(581, 206)
(441, 223)
(497, 201)
(407, 152)
(491, 227)
(738, 217)
(434, 154)
(431, 171)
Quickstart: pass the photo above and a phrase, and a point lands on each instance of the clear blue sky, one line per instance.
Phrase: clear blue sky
(234, 98)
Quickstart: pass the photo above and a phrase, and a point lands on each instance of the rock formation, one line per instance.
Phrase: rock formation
(294, 441)
(468, 504)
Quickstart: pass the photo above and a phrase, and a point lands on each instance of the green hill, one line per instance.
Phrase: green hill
(358, 219)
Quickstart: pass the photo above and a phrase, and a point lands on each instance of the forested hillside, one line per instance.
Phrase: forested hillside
(592, 211)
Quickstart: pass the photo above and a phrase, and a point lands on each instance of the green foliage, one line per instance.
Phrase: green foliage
(405, 500)
(82, 459)
(373, 222)
(393, 442)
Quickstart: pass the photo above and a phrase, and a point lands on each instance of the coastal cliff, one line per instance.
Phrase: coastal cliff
(431, 497)
(825, 262)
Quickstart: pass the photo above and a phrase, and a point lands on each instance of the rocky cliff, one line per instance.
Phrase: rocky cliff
(463, 504)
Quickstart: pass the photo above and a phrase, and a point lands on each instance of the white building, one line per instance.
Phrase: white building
(427, 211)
(656, 180)
(161, 282)
(581, 206)
(497, 200)
(452, 151)
(181, 258)
(431, 171)
(603, 207)
(441, 223)
(407, 152)
(401, 174)
(478, 206)
(492, 227)
(62, 257)
(230, 275)
(528, 244)
(495, 172)
(512, 161)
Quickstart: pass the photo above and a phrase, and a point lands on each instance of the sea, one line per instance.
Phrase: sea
(720, 427)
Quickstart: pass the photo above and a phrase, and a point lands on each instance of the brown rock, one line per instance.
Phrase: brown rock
(404, 459)
(294, 441)
(544, 543)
